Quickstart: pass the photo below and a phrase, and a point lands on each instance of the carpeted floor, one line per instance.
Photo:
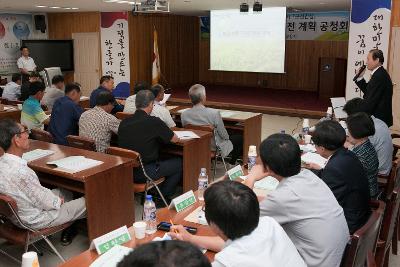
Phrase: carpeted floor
(259, 97)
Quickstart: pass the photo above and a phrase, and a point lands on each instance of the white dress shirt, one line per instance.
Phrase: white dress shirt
(26, 63)
(267, 245)
(164, 114)
(12, 91)
(130, 105)
(37, 205)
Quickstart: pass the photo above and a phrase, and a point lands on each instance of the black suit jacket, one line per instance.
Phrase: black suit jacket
(346, 177)
(378, 95)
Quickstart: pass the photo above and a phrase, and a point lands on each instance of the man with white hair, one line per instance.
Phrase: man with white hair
(201, 115)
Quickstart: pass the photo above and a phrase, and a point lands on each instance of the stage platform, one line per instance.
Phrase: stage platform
(263, 100)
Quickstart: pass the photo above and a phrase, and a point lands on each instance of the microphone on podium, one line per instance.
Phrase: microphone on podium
(359, 73)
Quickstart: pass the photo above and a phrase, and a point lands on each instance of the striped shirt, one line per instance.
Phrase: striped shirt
(369, 159)
(99, 126)
(32, 114)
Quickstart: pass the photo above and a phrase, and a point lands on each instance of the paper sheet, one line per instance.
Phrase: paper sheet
(75, 163)
(36, 154)
(307, 148)
(185, 135)
(182, 110)
(314, 158)
(337, 105)
(112, 257)
(269, 183)
(9, 108)
(166, 237)
(196, 216)
(165, 99)
(227, 113)
(84, 98)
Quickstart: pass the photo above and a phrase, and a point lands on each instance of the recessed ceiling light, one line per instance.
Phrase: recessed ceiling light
(67, 7)
(74, 8)
(55, 7)
(322, 3)
(41, 6)
(110, 1)
(123, 2)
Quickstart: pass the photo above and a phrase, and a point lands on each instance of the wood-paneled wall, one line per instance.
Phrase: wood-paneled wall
(301, 66)
(395, 13)
(178, 42)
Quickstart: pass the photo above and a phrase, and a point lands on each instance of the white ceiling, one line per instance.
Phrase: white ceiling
(196, 7)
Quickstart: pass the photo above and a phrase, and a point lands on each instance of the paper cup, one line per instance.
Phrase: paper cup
(140, 229)
(30, 259)
(19, 106)
(307, 139)
(1, 107)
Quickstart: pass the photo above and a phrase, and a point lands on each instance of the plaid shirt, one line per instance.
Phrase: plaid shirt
(99, 126)
(367, 155)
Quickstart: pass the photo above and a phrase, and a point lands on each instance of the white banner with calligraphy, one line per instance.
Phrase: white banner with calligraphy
(115, 50)
(322, 26)
(369, 29)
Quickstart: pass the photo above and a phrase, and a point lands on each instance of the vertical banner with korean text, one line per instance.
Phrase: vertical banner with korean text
(115, 50)
(369, 29)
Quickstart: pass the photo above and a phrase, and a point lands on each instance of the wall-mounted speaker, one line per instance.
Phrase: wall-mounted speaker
(40, 23)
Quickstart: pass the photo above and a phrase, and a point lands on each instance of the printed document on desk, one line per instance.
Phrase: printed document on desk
(36, 154)
(112, 257)
(337, 105)
(185, 135)
(75, 164)
(165, 99)
(314, 158)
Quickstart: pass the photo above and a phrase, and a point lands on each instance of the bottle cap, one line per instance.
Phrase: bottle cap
(253, 150)
(329, 111)
(149, 197)
(306, 123)
(203, 170)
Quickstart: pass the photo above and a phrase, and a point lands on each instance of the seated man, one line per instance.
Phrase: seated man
(381, 140)
(130, 106)
(38, 207)
(159, 110)
(34, 76)
(146, 134)
(165, 253)
(32, 114)
(360, 126)
(302, 203)
(243, 238)
(65, 114)
(344, 173)
(201, 115)
(98, 124)
(56, 91)
(106, 85)
(12, 90)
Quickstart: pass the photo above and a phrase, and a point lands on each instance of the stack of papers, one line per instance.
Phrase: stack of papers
(75, 163)
(165, 99)
(227, 113)
(36, 154)
(185, 135)
(268, 183)
(337, 105)
(314, 158)
(112, 257)
(308, 148)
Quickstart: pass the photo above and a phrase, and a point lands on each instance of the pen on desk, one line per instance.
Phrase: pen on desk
(172, 224)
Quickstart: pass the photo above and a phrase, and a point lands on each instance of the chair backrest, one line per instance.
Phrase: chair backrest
(122, 115)
(389, 218)
(3, 101)
(7, 203)
(42, 135)
(81, 142)
(391, 179)
(125, 153)
(365, 238)
(395, 146)
(205, 128)
(371, 259)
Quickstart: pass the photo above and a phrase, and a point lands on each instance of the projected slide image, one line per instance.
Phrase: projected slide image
(248, 42)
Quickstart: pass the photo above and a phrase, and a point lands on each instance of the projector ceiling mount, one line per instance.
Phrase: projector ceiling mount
(257, 6)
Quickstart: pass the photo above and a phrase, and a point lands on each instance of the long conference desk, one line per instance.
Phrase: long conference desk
(247, 124)
(107, 187)
(11, 112)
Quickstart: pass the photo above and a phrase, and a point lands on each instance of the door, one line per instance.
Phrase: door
(394, 70)
(87, 60)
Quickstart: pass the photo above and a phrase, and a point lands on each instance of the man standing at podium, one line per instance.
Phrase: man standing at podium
(379, 90)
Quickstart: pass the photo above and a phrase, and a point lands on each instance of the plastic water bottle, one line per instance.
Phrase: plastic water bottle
(306, 126)
(251, 157)
(329, 114)
(150, 216)
(203, 183)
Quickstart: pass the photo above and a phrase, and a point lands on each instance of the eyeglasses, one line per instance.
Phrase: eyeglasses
(26, 130)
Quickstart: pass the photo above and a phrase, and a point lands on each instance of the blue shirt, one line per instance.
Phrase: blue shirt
(64, 119)
(96, 92)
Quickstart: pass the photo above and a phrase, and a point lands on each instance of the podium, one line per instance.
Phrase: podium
(332, 77)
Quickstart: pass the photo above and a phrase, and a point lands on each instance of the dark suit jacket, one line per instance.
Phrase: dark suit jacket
(378, 95)
(346, 177)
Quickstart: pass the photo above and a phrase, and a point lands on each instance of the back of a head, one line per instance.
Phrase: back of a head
(196, 93)
(70, 87)
(233, 207)
(57, 79)
(281, 153)
(165, 254)
(16, 77)
(8, 128)
(141, 86)
(35, 74)
(157, 89)
(330, 135)
(105, 78)
(353, 106)
(36, 87)
(143, 99)
(105, 98)
(360, 125)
